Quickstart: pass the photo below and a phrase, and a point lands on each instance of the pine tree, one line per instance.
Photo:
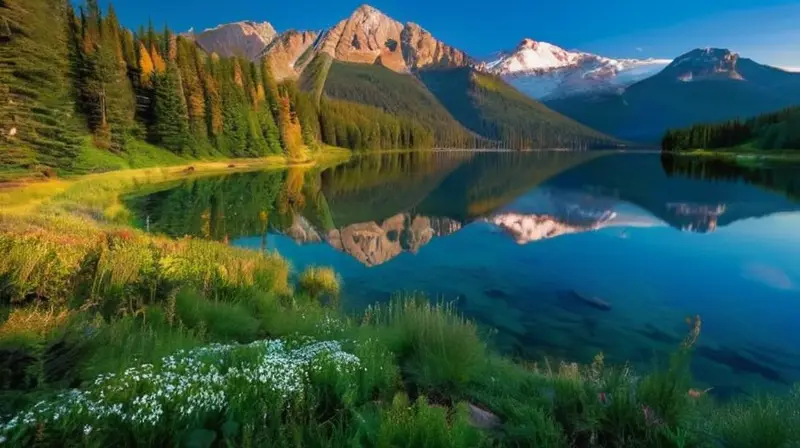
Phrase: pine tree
(36, 122)
(213, 100)
(193, 90)
(170, 119)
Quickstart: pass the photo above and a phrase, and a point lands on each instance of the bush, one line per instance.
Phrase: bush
(320, 283)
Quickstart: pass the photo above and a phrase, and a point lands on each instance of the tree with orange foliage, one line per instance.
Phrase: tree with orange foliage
(291, 132)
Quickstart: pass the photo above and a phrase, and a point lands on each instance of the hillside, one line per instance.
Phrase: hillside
(395, 93)
(490, 107)
(773, 131)
(696, 87)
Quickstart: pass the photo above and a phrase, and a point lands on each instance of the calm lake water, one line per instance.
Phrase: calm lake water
(563, 254)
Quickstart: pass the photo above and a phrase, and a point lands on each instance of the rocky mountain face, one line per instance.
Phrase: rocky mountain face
(369, 36)
(246, 39)
(545, 71)
(704, 64)
(286, 53)
(373, 244)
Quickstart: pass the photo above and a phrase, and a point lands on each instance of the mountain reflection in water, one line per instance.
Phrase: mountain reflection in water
(515, 237)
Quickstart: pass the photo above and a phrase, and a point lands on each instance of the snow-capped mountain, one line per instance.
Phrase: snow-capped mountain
(546, 71)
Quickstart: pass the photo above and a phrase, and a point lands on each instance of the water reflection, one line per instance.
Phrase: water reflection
(565, 254)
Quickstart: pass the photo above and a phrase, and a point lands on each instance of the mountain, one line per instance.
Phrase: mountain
(704, 85)
(248, 39)
(289, 53)
(543, 70)
(489, 107)
(369, 36)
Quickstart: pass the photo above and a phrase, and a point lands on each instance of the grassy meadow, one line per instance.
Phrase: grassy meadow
(110, 336)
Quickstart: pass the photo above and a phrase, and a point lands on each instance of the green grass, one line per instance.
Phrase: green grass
(138, 154)
(197, 343)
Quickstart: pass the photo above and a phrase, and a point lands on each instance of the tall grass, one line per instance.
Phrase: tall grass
(438, 348)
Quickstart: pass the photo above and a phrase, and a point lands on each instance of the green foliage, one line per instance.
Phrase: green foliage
(420, 424)
(36, 109)
(397, 94)
(774, 131)
(494, 110)
(437, 347)
(759, 421)
(170, 128)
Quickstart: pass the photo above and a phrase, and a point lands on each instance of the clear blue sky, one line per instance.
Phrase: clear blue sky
(765, 30)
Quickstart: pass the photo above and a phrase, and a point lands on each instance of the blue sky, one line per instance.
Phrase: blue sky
(765, 30)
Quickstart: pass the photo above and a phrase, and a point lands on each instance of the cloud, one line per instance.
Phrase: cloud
(790, 69)
(639, 49)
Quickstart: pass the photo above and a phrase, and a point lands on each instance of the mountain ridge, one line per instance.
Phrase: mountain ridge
(702, 85)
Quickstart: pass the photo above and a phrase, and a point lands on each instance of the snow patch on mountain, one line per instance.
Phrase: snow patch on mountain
(545, 71)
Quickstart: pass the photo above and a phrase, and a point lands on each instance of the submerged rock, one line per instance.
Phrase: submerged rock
(482, 419)
(594, 302)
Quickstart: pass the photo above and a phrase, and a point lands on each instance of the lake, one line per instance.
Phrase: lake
(563, 254)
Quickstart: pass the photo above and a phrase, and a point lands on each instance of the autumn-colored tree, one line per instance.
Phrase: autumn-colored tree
(291, 133)
(193, 91)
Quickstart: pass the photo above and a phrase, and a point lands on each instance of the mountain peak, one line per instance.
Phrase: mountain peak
(543, 70)
(367, 9)
(245, 38)
(705, 63)
(369, 36)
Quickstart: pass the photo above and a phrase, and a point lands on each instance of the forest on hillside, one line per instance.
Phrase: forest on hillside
(67, 74)
(772, 131)
(75, 82)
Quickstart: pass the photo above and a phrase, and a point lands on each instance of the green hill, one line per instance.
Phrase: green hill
(462, 107)
(397, 94)
(487, 105)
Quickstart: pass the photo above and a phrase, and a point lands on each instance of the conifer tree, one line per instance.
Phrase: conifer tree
(170, 126)
(36, 110)
(193, 91)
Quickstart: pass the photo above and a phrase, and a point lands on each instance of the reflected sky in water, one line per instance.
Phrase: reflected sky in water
(564, 254)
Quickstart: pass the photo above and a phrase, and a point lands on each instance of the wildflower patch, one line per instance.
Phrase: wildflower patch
(186, 386)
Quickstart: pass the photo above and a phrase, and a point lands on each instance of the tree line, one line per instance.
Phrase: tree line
(777, 130)
(65, 73)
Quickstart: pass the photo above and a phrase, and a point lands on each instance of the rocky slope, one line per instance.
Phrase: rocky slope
(246, 39)
(373, 244)
(289, 53)
(369, 36)
(543, 70)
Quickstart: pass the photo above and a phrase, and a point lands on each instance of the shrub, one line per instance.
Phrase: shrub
(320, 283)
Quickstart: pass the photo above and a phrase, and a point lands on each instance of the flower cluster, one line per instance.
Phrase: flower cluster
(188, 383)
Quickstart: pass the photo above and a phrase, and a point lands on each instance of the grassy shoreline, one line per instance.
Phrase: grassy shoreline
(192, 342)
(742, 154)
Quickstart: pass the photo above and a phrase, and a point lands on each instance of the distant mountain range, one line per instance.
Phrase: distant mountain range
(701, 86)
(631, 99)
(545, 71)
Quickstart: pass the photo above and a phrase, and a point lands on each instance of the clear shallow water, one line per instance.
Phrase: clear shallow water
(564, 254)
